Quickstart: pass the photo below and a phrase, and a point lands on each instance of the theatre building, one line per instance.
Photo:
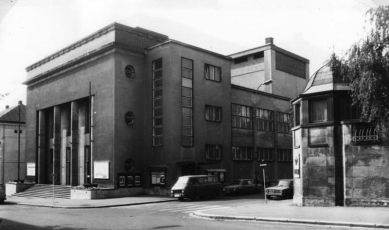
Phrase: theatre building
(128, 108)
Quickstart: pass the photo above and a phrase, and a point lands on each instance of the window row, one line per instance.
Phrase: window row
(242, 117)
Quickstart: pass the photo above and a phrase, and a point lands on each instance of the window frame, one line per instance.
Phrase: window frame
(217, 110)
(269, 123)
(266, 151)
(248, 151)
(210, 67)
(157, 139)
(287, 155)
(241, 117)
(187, 140)
(213, 148)
(283, 123)
(311, 103)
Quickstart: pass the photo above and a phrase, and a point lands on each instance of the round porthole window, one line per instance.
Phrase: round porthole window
(129, 118)
(130, 71)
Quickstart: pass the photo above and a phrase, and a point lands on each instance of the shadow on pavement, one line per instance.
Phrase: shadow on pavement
(12, 225)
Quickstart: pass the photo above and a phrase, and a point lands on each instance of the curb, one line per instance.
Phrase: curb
(94, 206)
(289, 221)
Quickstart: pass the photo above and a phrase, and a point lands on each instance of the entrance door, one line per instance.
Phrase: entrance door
(87, 165)
(68, 166)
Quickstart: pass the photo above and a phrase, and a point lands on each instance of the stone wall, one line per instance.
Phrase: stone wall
(366, 168)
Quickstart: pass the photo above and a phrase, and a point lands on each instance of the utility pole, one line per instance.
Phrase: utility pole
(20, 103)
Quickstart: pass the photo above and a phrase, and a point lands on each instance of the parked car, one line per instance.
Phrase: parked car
(2, 194)
(196, 186)
(284, 189)
(242, 186)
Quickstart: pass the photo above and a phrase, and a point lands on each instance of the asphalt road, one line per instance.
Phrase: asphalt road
(173, 215)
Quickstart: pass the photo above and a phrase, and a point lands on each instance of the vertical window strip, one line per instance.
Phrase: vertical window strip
(187, 102)
(157, 103)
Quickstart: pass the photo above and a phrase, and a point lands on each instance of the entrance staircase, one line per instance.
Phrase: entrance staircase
(45, 191)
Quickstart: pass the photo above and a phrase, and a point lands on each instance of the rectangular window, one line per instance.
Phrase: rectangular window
(265, 154)
(242, 116)
(240, 153)
(157, 102)
(187, 102)
(265, 120)
(318, 110)
(158, 178)
(213, 152)
(283, 122)
(213, 113)
(284, 155)
(297, 114)
(240, 60)
(212, 73)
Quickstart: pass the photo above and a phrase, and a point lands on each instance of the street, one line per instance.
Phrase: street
(167, 215)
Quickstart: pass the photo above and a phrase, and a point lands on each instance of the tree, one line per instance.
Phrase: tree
(366, 68)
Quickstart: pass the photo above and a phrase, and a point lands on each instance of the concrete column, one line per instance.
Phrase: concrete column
(64, 127)
(57, 143)
(81, 157)
(41, 166)
(74, 143)
(91, 135)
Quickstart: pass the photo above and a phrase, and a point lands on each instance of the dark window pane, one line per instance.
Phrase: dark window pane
(186, 92)
(157, 112)
(157, 84)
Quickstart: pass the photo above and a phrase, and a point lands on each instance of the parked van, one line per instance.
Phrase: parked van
(196, 186)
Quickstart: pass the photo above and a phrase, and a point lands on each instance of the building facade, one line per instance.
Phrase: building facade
(127, 107)
(12, 143)
(338, 160)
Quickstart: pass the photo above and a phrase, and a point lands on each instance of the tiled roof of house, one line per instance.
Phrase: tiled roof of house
(12, 114)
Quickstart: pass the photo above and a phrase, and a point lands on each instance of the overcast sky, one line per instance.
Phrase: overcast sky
(30, 30)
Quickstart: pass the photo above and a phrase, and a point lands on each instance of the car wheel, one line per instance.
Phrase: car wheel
(268, 197)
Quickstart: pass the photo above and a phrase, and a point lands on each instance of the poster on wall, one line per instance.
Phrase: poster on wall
(30, 169)
(296, 166)
(101, 170)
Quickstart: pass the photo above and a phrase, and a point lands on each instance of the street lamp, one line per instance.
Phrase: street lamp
(264, 181)
(267, 82)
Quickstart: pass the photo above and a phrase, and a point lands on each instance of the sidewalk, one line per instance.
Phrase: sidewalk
(280, 211)
(283, 211)
(98, 203)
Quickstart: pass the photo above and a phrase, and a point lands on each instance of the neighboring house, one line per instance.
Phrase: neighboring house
(338, 160)
(160, 109)
(12, 143)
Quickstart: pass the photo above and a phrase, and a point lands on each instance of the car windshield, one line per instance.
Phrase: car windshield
(284, 183)
(182, 181)
(236, 182)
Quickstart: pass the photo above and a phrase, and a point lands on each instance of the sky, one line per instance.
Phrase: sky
(31, 30)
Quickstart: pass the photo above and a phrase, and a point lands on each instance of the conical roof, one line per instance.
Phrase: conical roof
(323, 80)
(12, 114)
